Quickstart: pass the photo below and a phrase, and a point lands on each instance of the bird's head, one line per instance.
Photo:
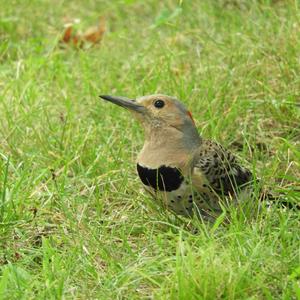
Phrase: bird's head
(157, 112)
(171, 137)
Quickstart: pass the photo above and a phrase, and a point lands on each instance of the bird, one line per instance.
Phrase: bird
(184, 172)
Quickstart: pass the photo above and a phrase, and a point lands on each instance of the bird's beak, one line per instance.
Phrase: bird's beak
(125, 102)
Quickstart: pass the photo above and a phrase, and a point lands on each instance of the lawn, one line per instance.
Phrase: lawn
(74, 222)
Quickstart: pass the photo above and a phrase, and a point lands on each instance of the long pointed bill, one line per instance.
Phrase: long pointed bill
(124, 102)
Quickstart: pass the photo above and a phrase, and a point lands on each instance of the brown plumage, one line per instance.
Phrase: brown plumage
(182, 171)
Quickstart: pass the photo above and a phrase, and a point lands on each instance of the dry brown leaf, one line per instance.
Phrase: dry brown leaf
(67, 34)
(95, 34)
(92, 35)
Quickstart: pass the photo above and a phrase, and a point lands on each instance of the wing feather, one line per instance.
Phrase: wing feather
(220, 167)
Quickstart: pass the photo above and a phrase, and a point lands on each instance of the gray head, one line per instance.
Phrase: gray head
(161, 114)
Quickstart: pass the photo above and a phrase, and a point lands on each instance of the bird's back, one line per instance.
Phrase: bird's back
(217, 172)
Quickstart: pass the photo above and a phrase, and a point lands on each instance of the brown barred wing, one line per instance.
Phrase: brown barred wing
(221, 169)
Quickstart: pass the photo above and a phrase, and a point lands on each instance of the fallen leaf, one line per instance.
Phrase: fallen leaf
(92, 35)
(67, 34)
(95, 34)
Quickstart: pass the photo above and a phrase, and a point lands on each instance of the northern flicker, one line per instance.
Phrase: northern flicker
(182, 171)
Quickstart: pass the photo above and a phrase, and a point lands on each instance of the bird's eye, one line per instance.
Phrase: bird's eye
(159, 103)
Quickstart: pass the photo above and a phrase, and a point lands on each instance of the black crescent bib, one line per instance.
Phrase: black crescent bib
(163, 179)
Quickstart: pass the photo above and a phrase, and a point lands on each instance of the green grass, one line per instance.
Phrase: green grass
(74, 223)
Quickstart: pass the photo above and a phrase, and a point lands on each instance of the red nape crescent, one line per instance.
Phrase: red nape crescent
(190, 115)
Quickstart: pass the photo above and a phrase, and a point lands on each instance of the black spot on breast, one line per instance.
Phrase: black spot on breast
(164, 178)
